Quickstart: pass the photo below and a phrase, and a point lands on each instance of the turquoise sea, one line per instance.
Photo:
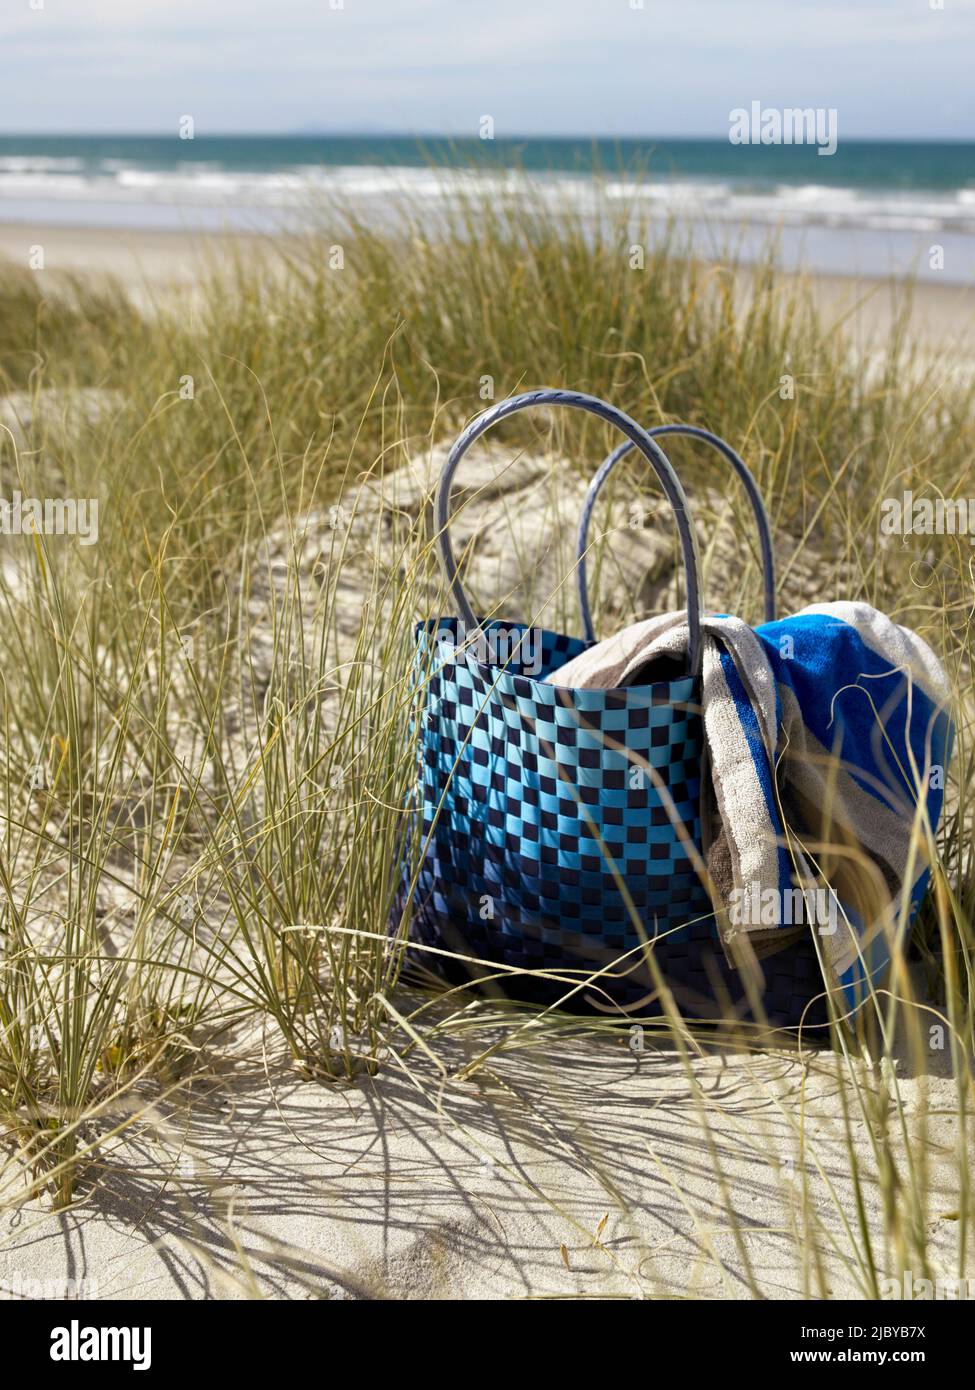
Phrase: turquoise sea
(870, 208)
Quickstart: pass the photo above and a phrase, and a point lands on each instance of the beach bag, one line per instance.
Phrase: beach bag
(543, 853)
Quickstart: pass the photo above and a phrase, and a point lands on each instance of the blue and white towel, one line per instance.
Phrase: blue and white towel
(828, 738)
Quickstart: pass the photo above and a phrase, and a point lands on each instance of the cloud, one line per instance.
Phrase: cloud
(579, 66)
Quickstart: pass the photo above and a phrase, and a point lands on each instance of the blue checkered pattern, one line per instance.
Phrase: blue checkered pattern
(545, 843)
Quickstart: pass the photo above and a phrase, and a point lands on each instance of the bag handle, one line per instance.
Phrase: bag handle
(637, 437)
(744, 473)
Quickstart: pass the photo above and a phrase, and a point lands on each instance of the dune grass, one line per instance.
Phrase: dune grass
(207, 732)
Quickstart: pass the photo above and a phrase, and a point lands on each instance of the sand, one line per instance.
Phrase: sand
(154, 258)
(567, 1165)
(149, 260)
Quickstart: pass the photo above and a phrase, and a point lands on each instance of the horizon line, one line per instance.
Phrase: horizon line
(467, 137)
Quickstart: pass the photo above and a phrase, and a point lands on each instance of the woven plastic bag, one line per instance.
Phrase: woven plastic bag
(548, 858)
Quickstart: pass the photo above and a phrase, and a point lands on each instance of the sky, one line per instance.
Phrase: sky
(891, 68)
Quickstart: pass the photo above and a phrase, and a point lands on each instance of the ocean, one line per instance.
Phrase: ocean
(872, 208)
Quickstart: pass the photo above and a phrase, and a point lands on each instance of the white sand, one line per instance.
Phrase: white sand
(424, 1186)
(566, 1165)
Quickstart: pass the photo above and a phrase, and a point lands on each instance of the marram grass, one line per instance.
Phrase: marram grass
(207, 726)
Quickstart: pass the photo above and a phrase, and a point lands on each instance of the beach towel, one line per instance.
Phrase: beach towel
(826, 742)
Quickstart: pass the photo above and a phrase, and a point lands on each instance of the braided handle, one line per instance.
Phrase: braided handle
(744, 473)
(637, 437)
